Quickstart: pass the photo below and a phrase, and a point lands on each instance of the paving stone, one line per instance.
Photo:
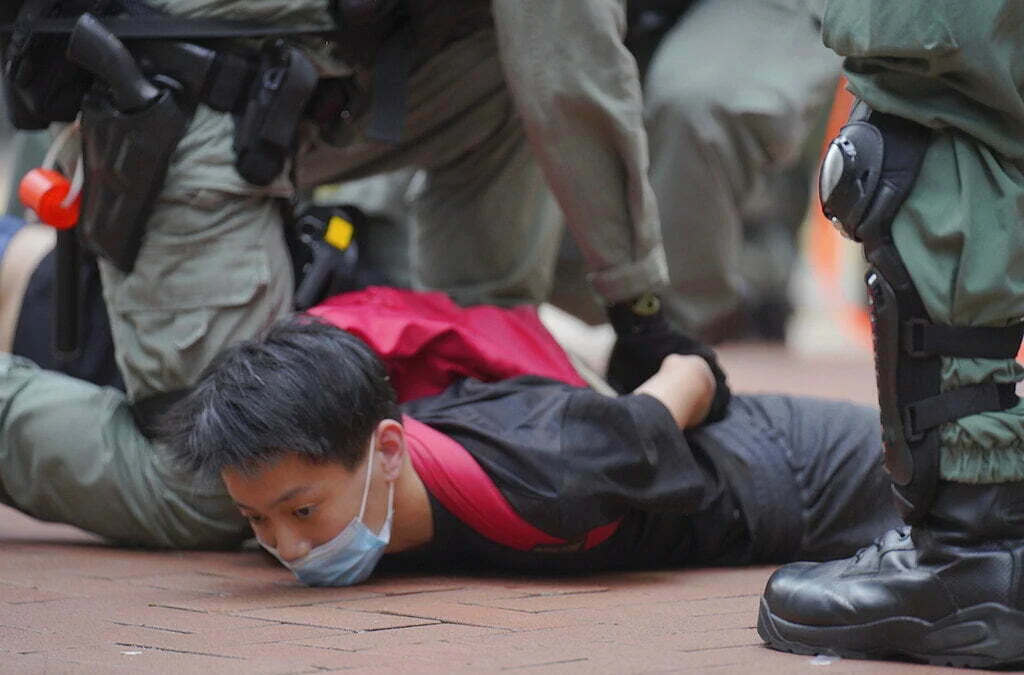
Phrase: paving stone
(259, 596)
(540, 651)
(67, 583)
(512, 586)
(310, 661)
(391, 585)
(159, 617)
(335, 617)
(213, 642)
(220, 584)
(140, 659)
(52, 664)
(559, 602)
(394, 639)
(449, 611)
(16, 594)
(20, 635)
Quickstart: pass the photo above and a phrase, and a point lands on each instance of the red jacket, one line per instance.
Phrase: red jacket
(428, 342)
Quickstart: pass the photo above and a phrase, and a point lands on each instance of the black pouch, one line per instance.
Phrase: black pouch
(265, 131)
(324, 253)
(40, 85)
(364, 25)
(131, 126)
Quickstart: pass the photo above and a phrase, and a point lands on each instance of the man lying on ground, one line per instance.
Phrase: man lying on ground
(523, 473)
(526, 474)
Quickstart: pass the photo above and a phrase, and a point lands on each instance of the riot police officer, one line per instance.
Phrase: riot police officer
(928, 176)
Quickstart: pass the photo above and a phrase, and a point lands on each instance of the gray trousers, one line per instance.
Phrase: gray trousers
(733, 94)
(808, 473)
(70, 452)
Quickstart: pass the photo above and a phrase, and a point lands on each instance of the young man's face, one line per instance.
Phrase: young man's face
(295, 505)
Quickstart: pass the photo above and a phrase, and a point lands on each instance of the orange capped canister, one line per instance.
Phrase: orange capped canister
(45, 192)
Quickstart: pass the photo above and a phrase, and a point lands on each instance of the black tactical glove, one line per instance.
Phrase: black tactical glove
(645, 339)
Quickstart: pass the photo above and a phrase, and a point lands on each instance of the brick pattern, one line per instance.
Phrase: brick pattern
(201, 616)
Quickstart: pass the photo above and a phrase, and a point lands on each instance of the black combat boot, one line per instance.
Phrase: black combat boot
(947, 591)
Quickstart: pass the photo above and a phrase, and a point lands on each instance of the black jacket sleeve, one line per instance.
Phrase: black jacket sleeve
(570, 459)
(626, 453)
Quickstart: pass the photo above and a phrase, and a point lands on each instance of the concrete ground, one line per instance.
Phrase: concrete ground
(69, 604)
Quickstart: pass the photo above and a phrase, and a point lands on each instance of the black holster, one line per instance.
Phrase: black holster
(325, 265)
(126, 158)
(136, 104)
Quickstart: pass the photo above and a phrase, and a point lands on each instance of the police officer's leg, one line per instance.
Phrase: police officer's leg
(71, 452)
(947, 289)
(213, 269)
(487, 229)
(732, 94)
(484, 226)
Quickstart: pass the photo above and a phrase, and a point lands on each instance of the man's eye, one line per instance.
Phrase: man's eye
(303, 511)
(253, 518)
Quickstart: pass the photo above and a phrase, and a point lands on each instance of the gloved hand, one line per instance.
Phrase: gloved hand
(644, 340)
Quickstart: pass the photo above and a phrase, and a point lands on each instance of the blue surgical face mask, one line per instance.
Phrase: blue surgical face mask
(351, 556)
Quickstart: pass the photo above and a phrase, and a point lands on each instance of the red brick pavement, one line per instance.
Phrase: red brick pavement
(71, 605)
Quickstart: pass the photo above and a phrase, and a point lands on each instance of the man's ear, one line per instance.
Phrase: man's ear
(391, 446)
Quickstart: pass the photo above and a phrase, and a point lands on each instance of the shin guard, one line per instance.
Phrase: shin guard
(867, 173)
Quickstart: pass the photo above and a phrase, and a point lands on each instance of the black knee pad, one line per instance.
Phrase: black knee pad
(867, 173)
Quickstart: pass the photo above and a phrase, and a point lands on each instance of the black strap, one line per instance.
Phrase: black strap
(227, 87)
(168, 27)
(149, 411)
(221, 79)
(922, 339)
(394, 62)
(950, 406)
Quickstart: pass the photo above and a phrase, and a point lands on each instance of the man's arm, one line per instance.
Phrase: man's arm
(577, 90)
(685, 385)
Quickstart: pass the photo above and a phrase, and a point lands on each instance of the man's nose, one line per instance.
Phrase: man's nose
(290, 545)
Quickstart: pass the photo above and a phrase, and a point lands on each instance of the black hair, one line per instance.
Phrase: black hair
(307, 387)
